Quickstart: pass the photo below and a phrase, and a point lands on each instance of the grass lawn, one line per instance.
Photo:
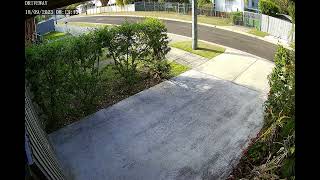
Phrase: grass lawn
(177, 69)
(54, 35)
(83, 24)
(258, 33)
(205, 50)
(201, 19)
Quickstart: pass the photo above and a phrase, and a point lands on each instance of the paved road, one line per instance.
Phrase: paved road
(192, 127)
(227, 38)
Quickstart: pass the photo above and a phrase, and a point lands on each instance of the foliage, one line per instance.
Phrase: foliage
(73, 6)
(291, 11)
(272, 156)
(157, 46)
(63, 76)
(283, 5)
(119, 3)
(282, 86)
(236, 17)
(104, 2)
(130, 44)
(268, 7)
(202, 3)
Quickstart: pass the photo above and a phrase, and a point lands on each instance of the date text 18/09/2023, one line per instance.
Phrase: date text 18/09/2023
(52, 12)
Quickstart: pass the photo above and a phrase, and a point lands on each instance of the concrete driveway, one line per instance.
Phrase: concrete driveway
(194, 126)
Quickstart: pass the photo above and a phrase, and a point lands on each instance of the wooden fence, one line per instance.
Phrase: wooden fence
(278, 27)
(42, 154)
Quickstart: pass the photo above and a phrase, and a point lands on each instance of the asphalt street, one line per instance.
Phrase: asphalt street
(231, 39)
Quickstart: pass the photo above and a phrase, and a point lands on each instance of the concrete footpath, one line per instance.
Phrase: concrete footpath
(233, 65)
(191, 127)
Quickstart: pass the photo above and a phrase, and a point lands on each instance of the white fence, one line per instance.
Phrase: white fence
(277, 27)
(74, 30)
(125, 8)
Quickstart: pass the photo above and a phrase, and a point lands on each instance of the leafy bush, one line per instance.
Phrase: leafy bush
(119, 2)
(64, 76)
(130, 44)
(202, 3)
(268, 7)
(157, 45)
(236, 18)
(292, 11)
(272, 156)
(281, 99)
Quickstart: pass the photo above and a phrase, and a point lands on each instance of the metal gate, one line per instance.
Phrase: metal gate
(251, 19)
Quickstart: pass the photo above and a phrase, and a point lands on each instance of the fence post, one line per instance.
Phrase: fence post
(243, 17)
(144, 5)
(178, 7)
(268, 25)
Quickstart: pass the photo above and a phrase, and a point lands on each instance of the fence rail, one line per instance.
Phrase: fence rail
(181, 8)
(42, 153)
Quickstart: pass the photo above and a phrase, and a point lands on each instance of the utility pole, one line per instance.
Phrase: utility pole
(194, 25)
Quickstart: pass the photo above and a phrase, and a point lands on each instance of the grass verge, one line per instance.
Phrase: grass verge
(83, 24)
(54, 35)
(258, 33)
(172, 15)
(204, 49)
(177, 69)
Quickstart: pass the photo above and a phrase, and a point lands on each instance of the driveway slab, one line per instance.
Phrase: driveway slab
(228, 65)
(255, 76)
(194, 126)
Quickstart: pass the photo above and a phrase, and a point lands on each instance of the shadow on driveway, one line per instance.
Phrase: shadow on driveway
(194, 126)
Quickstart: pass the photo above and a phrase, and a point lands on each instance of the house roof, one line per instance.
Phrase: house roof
(53, 4)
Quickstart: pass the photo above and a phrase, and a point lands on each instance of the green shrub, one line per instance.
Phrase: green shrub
(127, 46)
(133, 43)
(157, 45)
(119, 2)
(203, 3)
(281, 98)
(272, 156)
(237, 18)
(64, 76)
(292, 11)
(268, 7)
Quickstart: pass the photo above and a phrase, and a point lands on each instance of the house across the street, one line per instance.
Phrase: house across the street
(236, 5)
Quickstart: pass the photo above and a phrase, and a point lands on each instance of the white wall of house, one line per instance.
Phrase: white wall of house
(229, 5)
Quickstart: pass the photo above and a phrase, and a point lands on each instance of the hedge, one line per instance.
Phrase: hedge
(65, 76)
(268, 7)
